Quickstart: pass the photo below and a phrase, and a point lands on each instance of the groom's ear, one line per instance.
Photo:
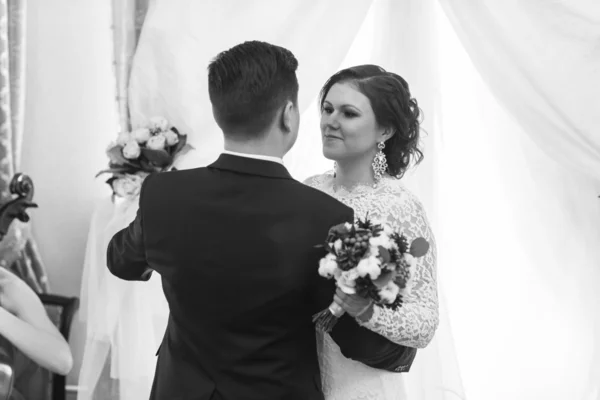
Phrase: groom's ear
(287, 117)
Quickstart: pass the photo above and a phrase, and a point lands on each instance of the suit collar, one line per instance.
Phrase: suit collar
(256, 156)
(251, 166)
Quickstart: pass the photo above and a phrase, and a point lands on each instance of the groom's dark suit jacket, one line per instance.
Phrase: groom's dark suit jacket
(234, 244)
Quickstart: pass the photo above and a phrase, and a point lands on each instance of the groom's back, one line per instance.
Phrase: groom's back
(235, 246)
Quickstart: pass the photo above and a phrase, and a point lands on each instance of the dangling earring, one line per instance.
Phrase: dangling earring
(379, 163)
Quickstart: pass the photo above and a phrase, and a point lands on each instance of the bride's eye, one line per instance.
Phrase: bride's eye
(327, 109)
(349, 114)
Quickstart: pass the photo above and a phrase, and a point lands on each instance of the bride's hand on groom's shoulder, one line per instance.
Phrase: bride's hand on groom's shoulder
(354, 305)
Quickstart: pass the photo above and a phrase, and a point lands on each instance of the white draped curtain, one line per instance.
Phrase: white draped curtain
(541, 60)
(519, 180)
(128, 19)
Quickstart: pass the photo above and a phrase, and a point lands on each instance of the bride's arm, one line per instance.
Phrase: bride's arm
(415, 322)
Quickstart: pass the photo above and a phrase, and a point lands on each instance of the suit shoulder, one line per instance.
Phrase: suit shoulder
(169, 182)
(164, 178)
(316, 197)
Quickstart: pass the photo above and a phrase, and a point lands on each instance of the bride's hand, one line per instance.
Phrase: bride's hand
(353, 304)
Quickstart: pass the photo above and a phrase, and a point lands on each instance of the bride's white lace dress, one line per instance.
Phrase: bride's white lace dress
(414, 324)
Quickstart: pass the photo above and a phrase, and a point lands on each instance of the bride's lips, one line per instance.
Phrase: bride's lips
(331, 137)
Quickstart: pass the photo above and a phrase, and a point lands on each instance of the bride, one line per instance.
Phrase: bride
(370, 127)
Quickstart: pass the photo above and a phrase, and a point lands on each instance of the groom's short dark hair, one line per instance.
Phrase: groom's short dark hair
(248, 84)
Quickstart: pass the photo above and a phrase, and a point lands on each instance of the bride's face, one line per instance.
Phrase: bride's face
(348, 126)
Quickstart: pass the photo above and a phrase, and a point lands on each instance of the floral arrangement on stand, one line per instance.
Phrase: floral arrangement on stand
(141, 152)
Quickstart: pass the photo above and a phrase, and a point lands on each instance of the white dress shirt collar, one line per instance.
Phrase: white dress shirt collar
(255, 156)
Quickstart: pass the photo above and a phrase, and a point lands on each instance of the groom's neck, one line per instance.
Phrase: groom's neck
(255, 147)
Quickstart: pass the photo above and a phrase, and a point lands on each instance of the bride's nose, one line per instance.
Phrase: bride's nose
(331, 122)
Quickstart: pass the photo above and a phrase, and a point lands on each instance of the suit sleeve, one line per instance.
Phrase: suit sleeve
(359, 343)
(126, 253)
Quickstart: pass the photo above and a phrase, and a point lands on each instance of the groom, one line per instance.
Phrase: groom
(234, 244)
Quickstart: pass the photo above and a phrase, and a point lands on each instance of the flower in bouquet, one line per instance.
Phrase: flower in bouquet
(145, 150)
(141, 135)
(171, 137)
(131, 150)
(369, 260)
(370, 266)
(159, 124)
(156, 142)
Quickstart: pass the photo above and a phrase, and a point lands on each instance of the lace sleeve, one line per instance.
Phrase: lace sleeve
(413, 324)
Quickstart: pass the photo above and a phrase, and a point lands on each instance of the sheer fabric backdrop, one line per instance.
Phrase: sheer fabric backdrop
(519, 187)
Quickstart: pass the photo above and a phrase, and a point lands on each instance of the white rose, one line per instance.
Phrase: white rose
(369, 266)
(171, 137)
(141, 135)
(389, 292)
(123, 138)
(381, 240)
(375, 241)
(386, 297)
(156, 142)
(374, 251)
(159, 123)
(131, 150)
(387, 241)
(327, 266)
(351, 274)
(410, 260)
(129, 185)
(348, 225)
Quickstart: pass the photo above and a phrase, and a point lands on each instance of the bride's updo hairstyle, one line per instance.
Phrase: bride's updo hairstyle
(393, 107)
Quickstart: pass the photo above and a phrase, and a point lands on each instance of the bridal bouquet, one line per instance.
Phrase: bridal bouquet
(141, 152)
(370, 260)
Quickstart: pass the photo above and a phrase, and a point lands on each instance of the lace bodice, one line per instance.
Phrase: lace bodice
(411, 325)
(414, 323)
